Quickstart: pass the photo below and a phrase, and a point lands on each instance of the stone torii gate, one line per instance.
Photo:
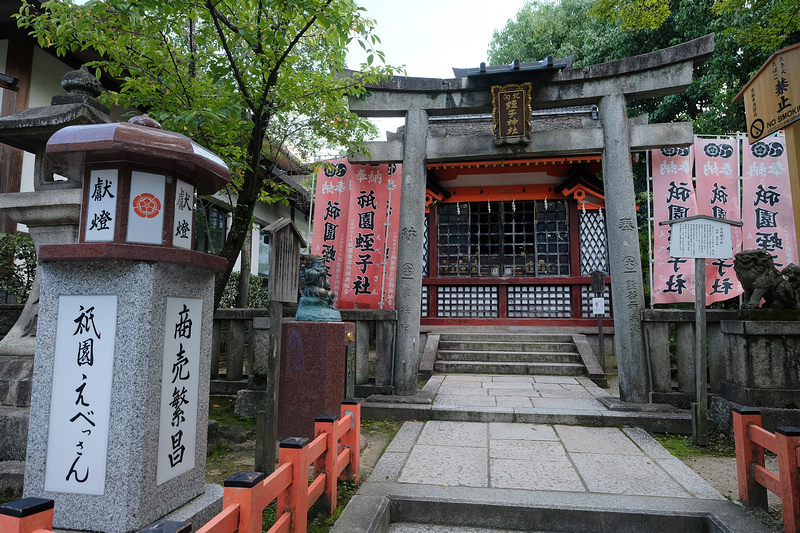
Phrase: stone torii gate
(609, 86)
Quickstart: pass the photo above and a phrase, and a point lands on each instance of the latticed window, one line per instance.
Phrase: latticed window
(594, 253)
(503, 239)
(472, 301)
(426, 239)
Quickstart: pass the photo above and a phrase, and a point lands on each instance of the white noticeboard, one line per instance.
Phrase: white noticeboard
(101, 206)
(598, 306)
(146, 208)
(80, 404)
(177, 433)
(701, 239)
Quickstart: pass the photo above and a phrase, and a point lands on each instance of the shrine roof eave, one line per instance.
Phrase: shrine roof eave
(655, 74)
(554, 143)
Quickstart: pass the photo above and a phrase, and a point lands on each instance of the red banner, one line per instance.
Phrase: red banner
(330, 219)
(717, 170)
(673, 198)
(767, 217)
(356, 223)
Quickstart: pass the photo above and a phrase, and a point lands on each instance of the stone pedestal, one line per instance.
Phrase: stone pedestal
(312, 376)
(121, 479)
(763, 362)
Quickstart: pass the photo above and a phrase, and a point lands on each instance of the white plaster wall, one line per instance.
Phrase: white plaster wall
(46, 74)
(264, 215)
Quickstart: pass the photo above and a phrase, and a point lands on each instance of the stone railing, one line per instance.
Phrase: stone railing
(241, 337)
(662, 325)
(373, 327)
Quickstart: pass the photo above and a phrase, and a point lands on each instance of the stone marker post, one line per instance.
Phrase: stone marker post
(119, 407)
(409, 271)
(625, 266)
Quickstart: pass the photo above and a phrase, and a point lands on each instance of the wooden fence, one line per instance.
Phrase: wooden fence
(754, 478)
(335, 454)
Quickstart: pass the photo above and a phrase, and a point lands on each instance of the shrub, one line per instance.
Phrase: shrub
(17, 266)
(257, 295)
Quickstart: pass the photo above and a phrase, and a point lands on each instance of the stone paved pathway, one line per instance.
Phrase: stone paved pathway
(547, 392)
(534, 454)
(538, 457)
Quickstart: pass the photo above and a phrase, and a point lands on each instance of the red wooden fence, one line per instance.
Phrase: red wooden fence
(28, 515)
(335, 453)
(247, 494)
(754, 479)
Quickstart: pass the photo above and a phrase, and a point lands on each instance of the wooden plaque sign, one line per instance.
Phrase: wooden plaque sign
(284, 264)
(598, 281)
(772, 96)
(511, 113)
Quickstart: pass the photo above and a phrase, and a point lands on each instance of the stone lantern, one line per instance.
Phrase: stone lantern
(119, 407)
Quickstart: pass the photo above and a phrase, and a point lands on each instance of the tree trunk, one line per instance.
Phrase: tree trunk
(246, 200)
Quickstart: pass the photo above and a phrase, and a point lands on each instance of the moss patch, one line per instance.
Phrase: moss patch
(682, 446)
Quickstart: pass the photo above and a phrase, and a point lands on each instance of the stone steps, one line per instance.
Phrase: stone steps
(508, 346)
(514, 368)
(507, 337)
(509, 353)
(509, 356)
(16, 373)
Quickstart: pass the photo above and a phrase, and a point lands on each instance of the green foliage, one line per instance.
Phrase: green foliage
(246, 79)
(633, 14)
(17, 266)
(560, 29)
(763, 25)
(257, 294)
(607, 30)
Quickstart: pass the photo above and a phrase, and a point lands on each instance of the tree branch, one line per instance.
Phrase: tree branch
(215, 17)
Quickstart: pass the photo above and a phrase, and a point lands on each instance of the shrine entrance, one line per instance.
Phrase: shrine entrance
(513, 243)
(511, 93)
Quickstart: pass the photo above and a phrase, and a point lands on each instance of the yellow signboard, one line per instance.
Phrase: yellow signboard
(772, 96)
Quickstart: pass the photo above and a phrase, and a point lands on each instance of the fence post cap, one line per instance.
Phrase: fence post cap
(742, 410)
(26, 507)
(168, 526)
(245, 480)
(351, 401)
(789, 431)
(294, 442)
(326, 418)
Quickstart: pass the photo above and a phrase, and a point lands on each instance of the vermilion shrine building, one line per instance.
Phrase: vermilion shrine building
(504, 227)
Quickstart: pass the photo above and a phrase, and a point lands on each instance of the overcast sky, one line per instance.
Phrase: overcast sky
(430, 37)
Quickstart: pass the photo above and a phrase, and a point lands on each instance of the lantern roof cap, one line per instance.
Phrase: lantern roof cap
(72, 147)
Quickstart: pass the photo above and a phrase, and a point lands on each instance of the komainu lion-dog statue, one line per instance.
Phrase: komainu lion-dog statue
(760, 279)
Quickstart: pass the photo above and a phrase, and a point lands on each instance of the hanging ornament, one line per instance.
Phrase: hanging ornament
(545, 203)
(600, 212)
(458, 209)
(514, 206)
(583, 208)
(489, 205)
